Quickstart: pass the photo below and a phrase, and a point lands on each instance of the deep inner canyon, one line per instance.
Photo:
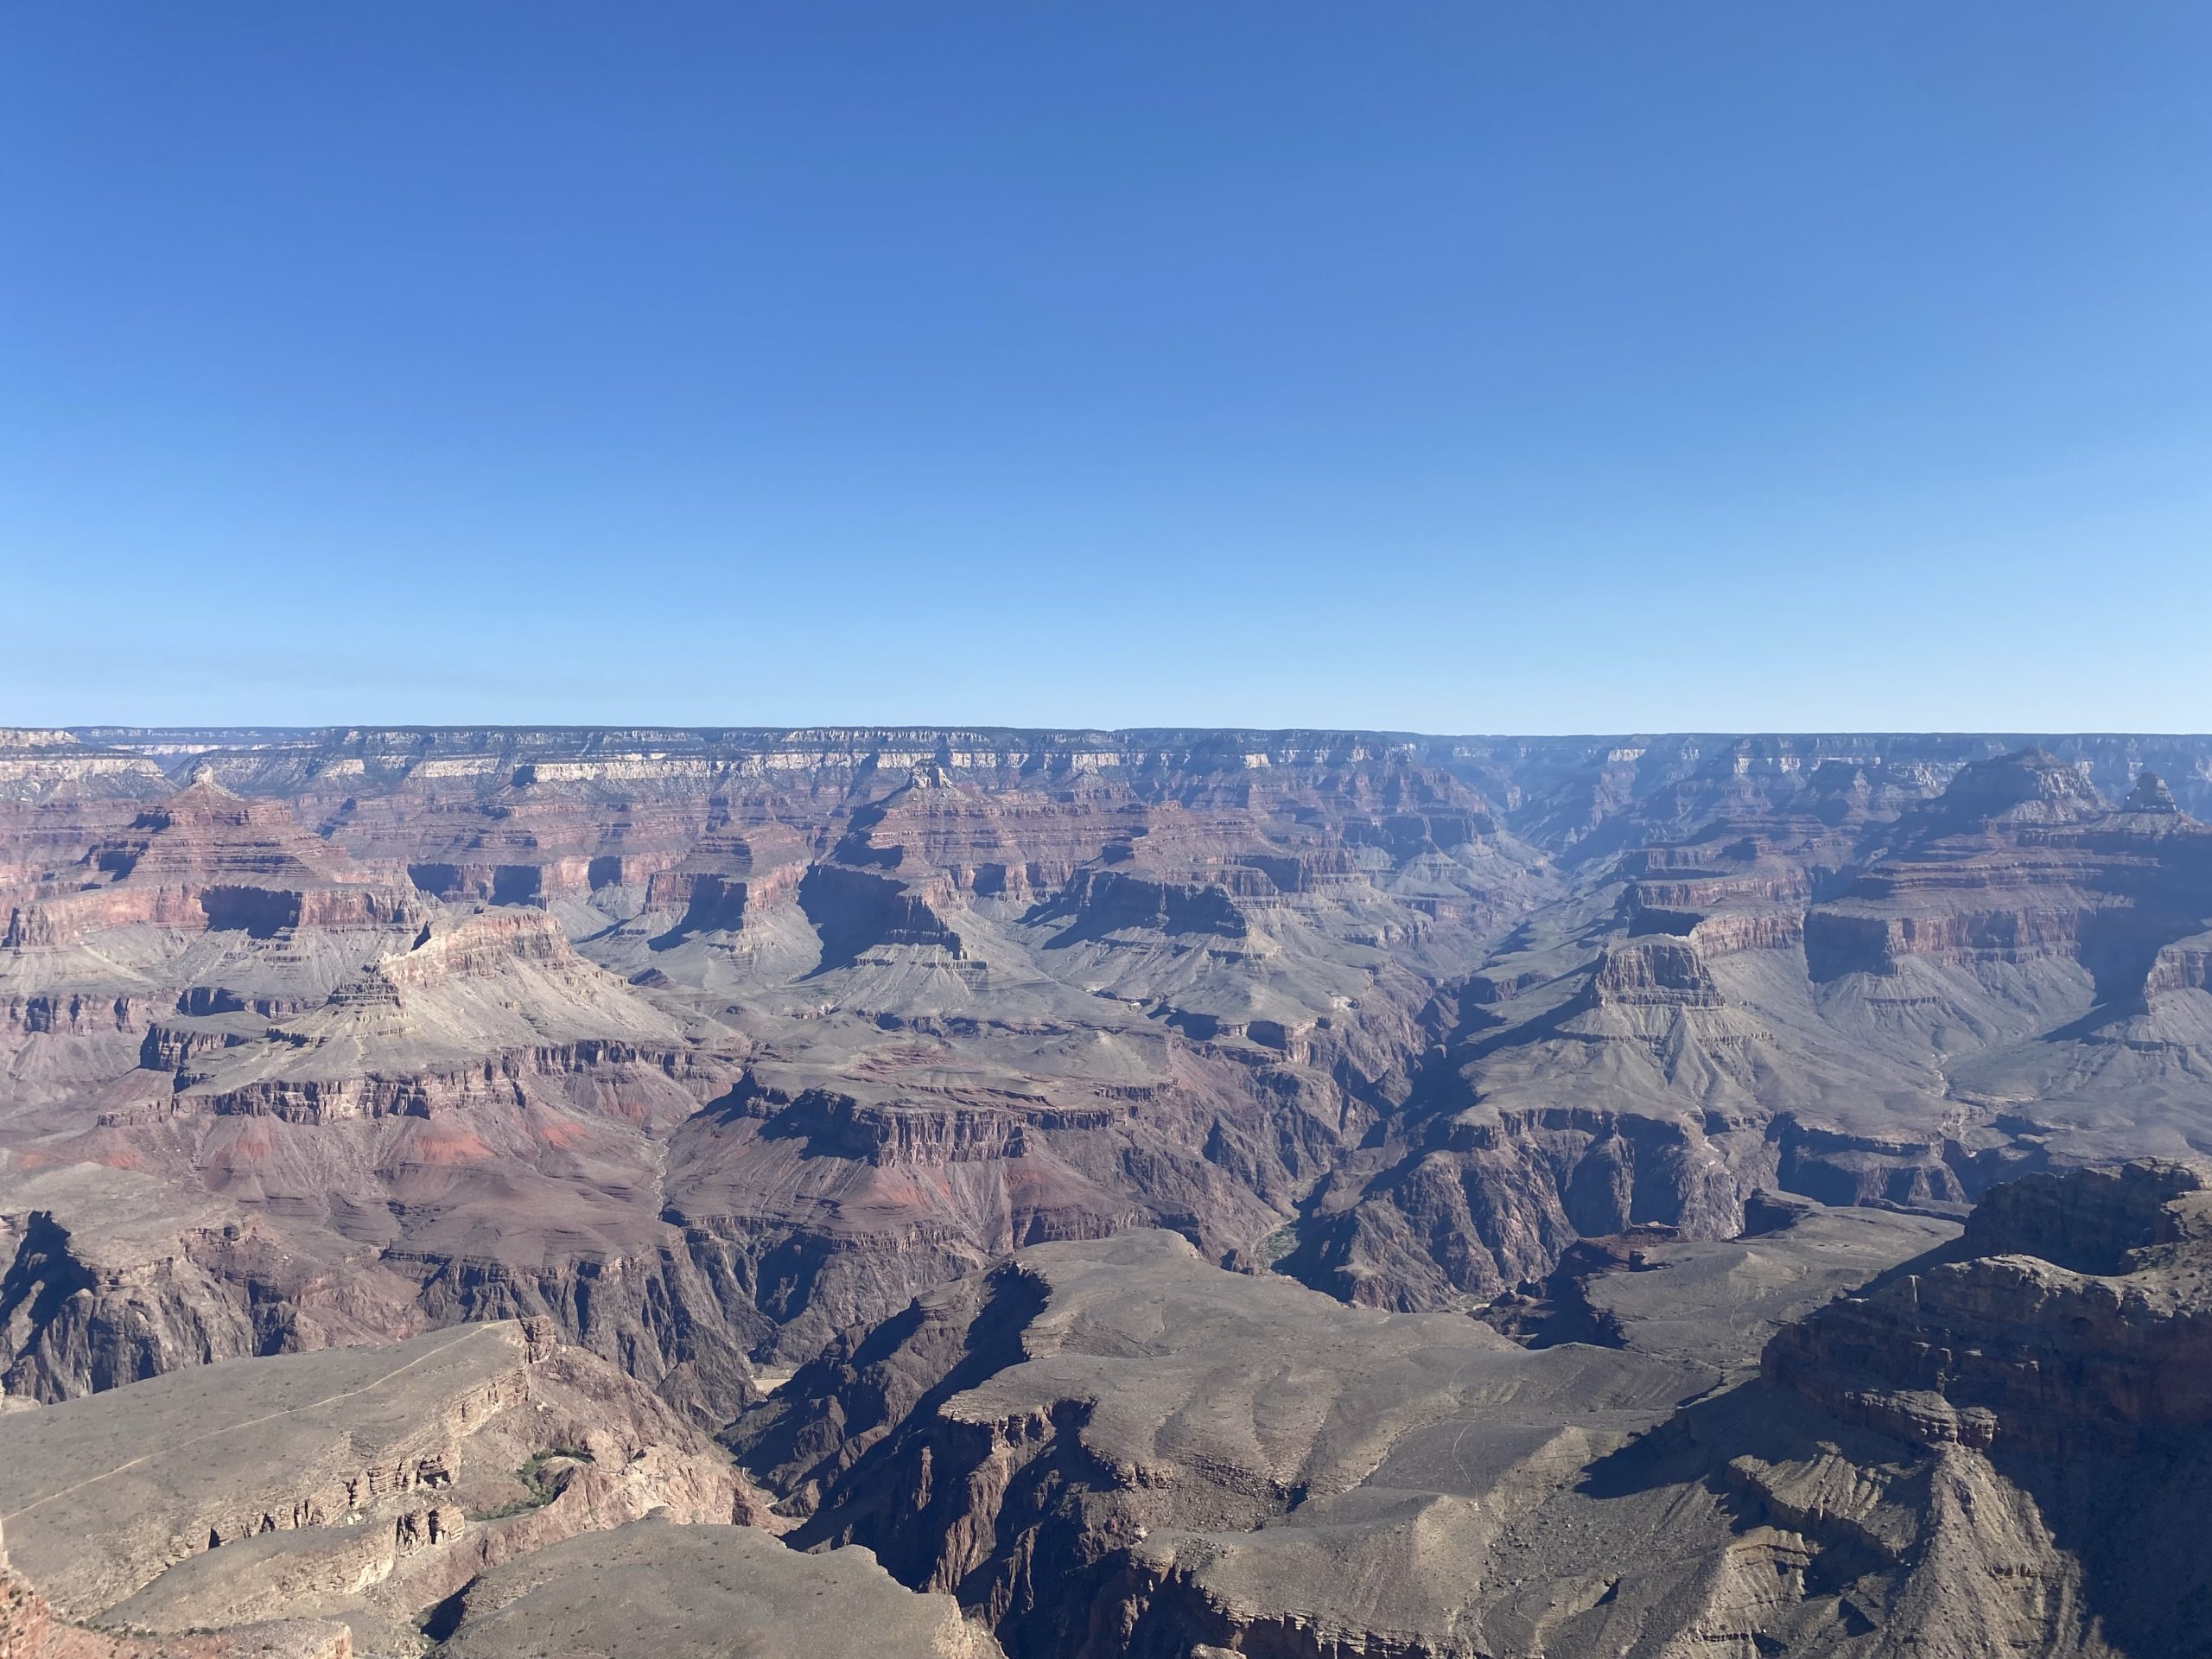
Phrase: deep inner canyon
(1162, 1193)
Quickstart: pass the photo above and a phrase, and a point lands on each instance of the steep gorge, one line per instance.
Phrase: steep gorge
(709, 1045)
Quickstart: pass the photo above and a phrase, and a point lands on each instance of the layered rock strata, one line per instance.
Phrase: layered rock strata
(1944, 1460)
(707, 1044)
(364, 1484)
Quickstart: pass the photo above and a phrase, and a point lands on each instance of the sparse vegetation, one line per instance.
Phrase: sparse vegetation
(537, 1490)
(1277, 1244)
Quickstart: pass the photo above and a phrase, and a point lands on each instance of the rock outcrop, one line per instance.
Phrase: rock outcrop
(30, 1630)
(1112, 1449)
(712, 1049)
(1072, 1444)
(707, 1044)
(490, 1488)
(2077, 1321)
(206, 859)
(700, 1591)
(364, 1484)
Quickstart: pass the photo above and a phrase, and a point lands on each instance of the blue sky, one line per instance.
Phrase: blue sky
(1479, 367)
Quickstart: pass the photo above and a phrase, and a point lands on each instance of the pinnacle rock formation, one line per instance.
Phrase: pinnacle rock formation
(2149, 795)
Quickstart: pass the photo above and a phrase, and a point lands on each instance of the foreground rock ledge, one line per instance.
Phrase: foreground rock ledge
(486, 1485)
(1115, 1449)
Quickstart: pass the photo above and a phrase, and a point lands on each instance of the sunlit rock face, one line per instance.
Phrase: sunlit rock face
(1116, 1132)
(1853, 1432)
(707, 1046)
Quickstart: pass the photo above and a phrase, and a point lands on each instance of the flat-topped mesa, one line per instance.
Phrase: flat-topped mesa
(857, 911)
(1744, 893)
(479, 945)
(703, 1592)
(1106, 901)
(923, 1132)
(1696, 878)
(718, 902)
(1654, 971)
(525, 844)
(1725, 932)
(990, 845)
(2076, 1314)
(2031, 787)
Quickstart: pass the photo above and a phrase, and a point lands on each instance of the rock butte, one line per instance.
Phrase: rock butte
(1118, 1131)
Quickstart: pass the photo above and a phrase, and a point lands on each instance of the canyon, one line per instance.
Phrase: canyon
(1147, 1192)
(1989, 1447)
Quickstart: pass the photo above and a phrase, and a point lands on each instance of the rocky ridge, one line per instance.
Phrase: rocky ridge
(1114, 1448)
(467, 1486)
(707, 1044)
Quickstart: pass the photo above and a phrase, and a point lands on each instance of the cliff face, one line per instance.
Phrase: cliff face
(361, 1484)
(1114, 1447)
(2078, 1319)
(2018, 860)
(764, 1044)
(332, 1131)
(1839, 989)
(710, 1044)
(1967, 1453)
(489, 1487)
(2046, 1375)
(205, 859)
